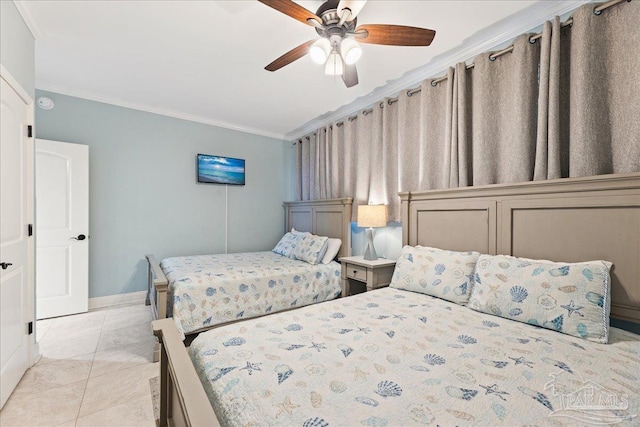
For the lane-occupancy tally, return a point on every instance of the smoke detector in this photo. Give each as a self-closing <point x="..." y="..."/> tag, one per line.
<point x="45" y="103"/>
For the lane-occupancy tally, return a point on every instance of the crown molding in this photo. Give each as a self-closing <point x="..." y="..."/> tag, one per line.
<point x="25" y="11"/>
<point x="500" y="33"/>
<point x="50" y="87"/>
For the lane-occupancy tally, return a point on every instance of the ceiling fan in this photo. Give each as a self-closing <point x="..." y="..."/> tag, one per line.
<point x="338" y="48"/>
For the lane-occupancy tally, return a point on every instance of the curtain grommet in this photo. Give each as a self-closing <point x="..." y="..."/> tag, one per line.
<point x="434" y="83"/>
<point x="532" y="40"/>
<point x="409" y="93"/>
<point x="492" y="58"/>
<point x="596" y="11"/>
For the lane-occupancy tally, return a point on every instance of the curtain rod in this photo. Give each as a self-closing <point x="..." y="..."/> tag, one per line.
<point x="596" y="11"/>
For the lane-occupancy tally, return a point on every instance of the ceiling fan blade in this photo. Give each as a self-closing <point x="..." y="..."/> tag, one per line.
<point x="395" y="35"/>
<point x="350" y="75"/>
<point x="289" y="57"/>
<point x="355" y="6"/>
<point x="293" y="10"/>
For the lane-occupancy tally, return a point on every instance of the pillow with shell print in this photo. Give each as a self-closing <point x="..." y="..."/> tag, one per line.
<point x="310" y="248"/>
<point x="286" y="245"/>
<point x="437" y="272"/>
<point x="570" y="298"/>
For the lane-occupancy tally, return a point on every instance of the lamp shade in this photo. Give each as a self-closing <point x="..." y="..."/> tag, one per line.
<point x="354" y="6"/>
<point x="334" y="66"/>
<point x="320" y="50"/>
<point x="372" y="216"/>
<point x="351" y="51"/>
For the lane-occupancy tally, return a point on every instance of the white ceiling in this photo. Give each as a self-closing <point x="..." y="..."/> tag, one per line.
<point x="204" y="60"/>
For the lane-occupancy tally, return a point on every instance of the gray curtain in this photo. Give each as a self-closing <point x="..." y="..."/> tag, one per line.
<point x="566" y="105"/>
<point x="314" y="183"/>
<point x="337" y="167"/>
<point x="348" y="153"/>
<point x="504" y="98"/>
<point x="305" y="170"/>
<point x="377" y="148"/>
<point x="599" y="59"/>
<point x="409" y="142"/>
<point x="390" y="182"/>
<point x="299" y="170"/>
<point x="551" y="155"/>
<point x="462" y="128"/>
<point x="435" y="134"/>
<point x="362" y="160"/>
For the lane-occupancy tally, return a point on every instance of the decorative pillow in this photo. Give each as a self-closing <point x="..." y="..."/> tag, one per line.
<point x="436" y="272"/>
<point x="310" y="248"/>
<point x="570" y="298"/>
<point x="286" y="245"/>
<point x="333" y="247"/>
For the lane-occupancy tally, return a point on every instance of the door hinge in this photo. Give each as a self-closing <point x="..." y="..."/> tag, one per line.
<point x="30" y="230"/>
<point x="30" y="328"/>
<point x="30" y="131"/>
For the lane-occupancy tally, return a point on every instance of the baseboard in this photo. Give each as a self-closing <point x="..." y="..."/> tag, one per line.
<point x="131" y="298"/>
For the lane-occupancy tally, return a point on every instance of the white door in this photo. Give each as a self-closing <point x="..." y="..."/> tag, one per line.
<point x="14" y="246"/>
<point x="62" y="228"/>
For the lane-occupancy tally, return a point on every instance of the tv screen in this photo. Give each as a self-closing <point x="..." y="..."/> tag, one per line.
<point x="220" y="170"/>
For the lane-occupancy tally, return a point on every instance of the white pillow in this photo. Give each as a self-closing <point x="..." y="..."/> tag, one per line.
<point x="333" y="247"/>
<point x="299" y="233"/>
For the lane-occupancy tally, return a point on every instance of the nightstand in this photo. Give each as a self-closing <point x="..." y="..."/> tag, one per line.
<point x="374" y="274"/>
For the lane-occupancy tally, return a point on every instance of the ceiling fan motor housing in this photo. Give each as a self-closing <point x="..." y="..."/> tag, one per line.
<point x="328" y="12"/>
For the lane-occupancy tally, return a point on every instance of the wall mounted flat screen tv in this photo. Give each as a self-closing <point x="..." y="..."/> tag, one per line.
<point x="220" y="170"/>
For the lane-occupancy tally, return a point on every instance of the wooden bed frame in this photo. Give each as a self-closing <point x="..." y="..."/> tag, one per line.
<point x="577" y="219"/>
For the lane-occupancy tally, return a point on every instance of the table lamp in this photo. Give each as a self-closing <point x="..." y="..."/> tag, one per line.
<point x="371" y="216"/>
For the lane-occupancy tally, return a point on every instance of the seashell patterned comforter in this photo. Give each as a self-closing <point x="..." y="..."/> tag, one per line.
<point x="207" y="290"/>
<point x="397" y="358"/>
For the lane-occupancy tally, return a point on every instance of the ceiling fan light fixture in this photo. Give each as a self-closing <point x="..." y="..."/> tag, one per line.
<point x="320" y="50"/>
<point x="352" y="7"/>
<point x="351" y="51"/>
<point x="336" y="22"/>
<point x="334" y="66"/>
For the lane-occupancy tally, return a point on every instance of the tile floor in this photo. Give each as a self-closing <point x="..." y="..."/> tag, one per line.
<point x="94" y="371"/>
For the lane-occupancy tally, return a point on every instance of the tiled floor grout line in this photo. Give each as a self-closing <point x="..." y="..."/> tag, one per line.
<point x="121" y="352"/>
<point x="90" y="369"/>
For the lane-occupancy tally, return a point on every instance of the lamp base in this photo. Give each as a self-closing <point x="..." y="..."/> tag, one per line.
<point x="370" y="254"/>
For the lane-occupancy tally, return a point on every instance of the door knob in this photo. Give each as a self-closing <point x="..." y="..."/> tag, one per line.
<point x="5" y="265"/>
<point x="80" y="237"/>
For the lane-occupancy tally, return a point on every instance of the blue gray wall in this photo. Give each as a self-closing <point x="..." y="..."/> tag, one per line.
<point x="17" y="46"/>
<point x="143" y="192"/>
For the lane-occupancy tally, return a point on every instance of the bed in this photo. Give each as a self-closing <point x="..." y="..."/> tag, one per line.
<point x="394" y="357"/>
<point x="205" y="291"/>
<point x="210" y="290"/>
